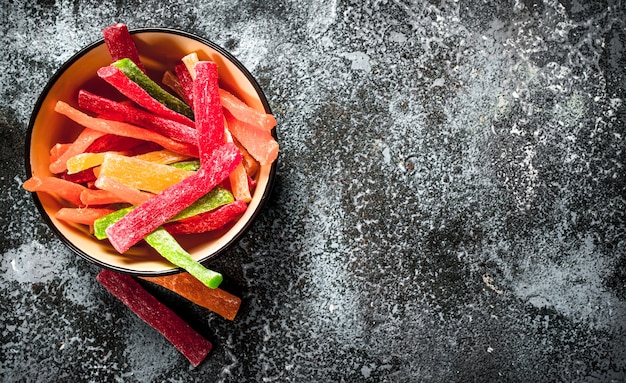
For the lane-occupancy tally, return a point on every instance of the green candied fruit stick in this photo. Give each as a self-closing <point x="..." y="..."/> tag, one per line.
<point x="192" y="165"/>
<point x="166" y="245"/>
<point x="101" y="224"/>
<point x="212" y="200"/>
<point x="132" y="71"/>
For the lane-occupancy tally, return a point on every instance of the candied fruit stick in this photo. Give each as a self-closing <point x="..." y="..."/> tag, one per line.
<point x="123" y="192"/>
<point x="211" y="201"/>
<point x="133" y="91"/>
<point x="141" y="175"/>
<point x="251" y="165"/>
<point x="170" y="249"/>
<point x="91" y="197"/>
<point x="118" y="111"/>
<point x="124" y="129"/>
<point x="83" y="177"/>
<point x="209" y="221"/>
<point x="191" y="344"/>
<point x="57" y="151"/>
<point x="85" y="161"/>
<point x="209" y="116"/>
<point x="186" y="81"/>
<point x="156" y="211"/>
<point x="133" y="72"/>
<point x="191" y="165"/>
<point x="190" y="60"/>
<point x="85" y="215"/>
<point x="171" y="81"/>
<point x="82" y="142"/>
<point x="259" y="143"/>
<point x="184" y="284"/>
<point x="66" y="190"/>
<point x="120" y="44"/>
<point x="241" y="111"/>
<point x="239" y="178"/>
<point x="162" y="157"/>
<point x="113" y="142"/>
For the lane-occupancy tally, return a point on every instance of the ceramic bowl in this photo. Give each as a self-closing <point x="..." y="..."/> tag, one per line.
<point x="159" y="49"/>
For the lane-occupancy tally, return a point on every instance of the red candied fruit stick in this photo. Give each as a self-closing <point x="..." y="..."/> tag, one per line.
<point x="148" y="216"/>
<point x="207" y="109"/>
<point x="113" y="110"/>
<point x="189" y="342"/>
<point x="121" y="45"/>
<point x="186" y="81"/>
<point x="211" y="220"/>
<point x="113" y="143"/>
<point x="133" y="91"/>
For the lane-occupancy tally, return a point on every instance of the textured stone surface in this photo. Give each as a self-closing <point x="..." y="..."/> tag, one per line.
<point x="449" y="203"/>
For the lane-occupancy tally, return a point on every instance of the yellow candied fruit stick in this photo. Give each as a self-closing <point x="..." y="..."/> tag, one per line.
<point x="190" y="61"/>
<point x="85" y="161"/>
<point x="140" y="174"/>
<point x="162" y="157"/>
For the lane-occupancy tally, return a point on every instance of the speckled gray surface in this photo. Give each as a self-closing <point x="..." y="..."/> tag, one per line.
<point x="449" y="202"/>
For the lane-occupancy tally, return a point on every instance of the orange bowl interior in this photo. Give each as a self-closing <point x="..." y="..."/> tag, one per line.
<point x="159" y="50"/>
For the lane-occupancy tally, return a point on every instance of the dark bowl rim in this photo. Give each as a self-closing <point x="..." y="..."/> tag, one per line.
<point x="44" y="93"/>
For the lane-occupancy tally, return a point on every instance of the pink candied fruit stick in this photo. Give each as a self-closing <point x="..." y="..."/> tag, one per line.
<point x="120" y="44"/>
<point x="133" y="91"/>
<point x="207" y="109"/>
<point x="186" y="81"/>
<point x="189" y="342"/>
<point x="151" y="214"/>
<point x="121" y="112"/>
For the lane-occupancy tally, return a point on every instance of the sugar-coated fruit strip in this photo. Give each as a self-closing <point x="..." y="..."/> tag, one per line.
<point x="171" y="81"/>
<point x="210" y="201"/>
<point x="190" y="60"/>
<point x="118" y="111"/>
<point x="170" y="249"/>
<point x="209" y="116"/>
<point x="123" y="192"/>
<point x="209" y="221"/>
<point x="85" y="215"/>
<point x="191" y="344"/>
<point x="156" y="211"/>
<point x="133" y="91"/>
<point x="80" y="144"/>
<point x="84" y="161"/>
<point x="120" y="44"/>
<point x="184" y="284"/>
<point x="259" y="143"/>
<point x="90" y="197"/>
<point x="141" y="175"/>
<point x="57" y="150"/>
<point x="162" y="157"/>
<point x="67" y="190"/>
<point x="83" y="177"/>
<point x="241" y="111"/>
<point x="185" y="80"/>
<point x="133" y="72"/>
<point x="124" y="129"/>
<point x="238" y="178"/>
<point x="113" y="142"/>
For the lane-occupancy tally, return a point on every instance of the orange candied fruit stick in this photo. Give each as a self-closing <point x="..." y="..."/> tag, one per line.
<point x="141" y="175"/>
<point x="57" y="151"/>
<point x="259" y="143"/>
<point x="124" y="129"/>
<point x="184" y="284"/>
<point x="241" y="111"/>
<point x="124" y="193"/>
<point x="85" y="215"/>
<point x="98" y="197"/>
<point x="66" y="190"/>
<point x="82" y="142"/>
<point x="238" y="178"/>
